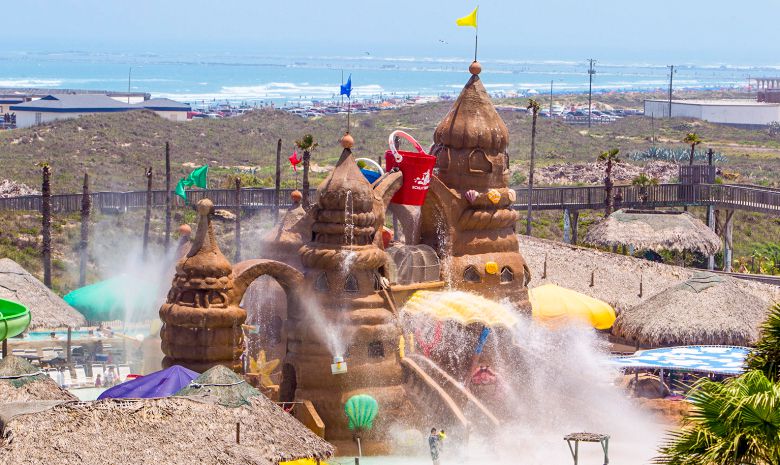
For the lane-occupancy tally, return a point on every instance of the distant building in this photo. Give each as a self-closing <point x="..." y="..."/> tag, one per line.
<point x="768" y="89"/>
<point x="166" y="108"/>
<point x="746" y="113"/>
<point x="67" y="106"/>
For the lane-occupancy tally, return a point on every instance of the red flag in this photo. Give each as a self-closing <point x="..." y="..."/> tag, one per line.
<point x="295" y="160"/>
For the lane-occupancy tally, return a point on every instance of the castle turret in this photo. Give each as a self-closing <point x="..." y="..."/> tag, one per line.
<point x="467" y="215"/>
<point x="343" y="312"/>
<point x="201" y="319"/>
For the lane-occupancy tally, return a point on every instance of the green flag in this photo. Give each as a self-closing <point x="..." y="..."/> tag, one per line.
<point x="197" y="178"/>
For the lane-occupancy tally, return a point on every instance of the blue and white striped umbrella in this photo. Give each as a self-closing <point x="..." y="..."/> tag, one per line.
<point x="727" y="360"/>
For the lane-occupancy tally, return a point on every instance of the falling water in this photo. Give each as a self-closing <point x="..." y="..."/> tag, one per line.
<point x="552" y="382"/>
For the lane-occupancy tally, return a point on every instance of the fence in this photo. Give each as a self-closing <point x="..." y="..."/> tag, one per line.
<point x="752" y="198"/>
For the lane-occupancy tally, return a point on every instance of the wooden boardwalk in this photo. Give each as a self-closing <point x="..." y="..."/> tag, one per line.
<point x="725" y="196"/>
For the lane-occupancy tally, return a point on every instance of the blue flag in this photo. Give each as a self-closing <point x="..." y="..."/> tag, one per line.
<point x="346" y="89"/>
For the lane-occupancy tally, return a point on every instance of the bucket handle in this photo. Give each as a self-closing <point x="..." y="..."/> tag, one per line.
<point x="391" y="141"/>
<point x="372" y="163"/>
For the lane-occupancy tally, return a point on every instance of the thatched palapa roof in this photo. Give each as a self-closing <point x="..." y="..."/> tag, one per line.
<point x="22" y="382"/>
<point x="613" y="278"/>
<point x="654" y="230"/>
<point x="47" y="309"/>
<point x="220" y="385"/>
<point x="173" y="430"/>
<point x="705" y="309"/>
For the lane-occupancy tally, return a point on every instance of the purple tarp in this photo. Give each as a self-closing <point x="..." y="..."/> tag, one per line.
<point x="161" y="383"/>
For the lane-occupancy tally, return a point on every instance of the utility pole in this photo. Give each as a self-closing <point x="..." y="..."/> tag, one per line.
<point x="671" y="79"/>
<point x="591" y="72"/>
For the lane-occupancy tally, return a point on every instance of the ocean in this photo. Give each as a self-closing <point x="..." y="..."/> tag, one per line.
<point x="203" y="78"/>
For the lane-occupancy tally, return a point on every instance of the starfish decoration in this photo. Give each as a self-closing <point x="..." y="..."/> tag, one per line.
<point x="264" y="368"/>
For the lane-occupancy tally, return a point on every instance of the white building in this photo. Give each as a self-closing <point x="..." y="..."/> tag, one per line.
<point x="67" y="106"/>
<point x="747" y="113"/>
<point x="166" y="108"/>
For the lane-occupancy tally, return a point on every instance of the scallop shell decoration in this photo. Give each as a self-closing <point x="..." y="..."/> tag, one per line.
<point x="494" y="196"/>
<point x="471" y="195"/>
<point x="512" y="194"/>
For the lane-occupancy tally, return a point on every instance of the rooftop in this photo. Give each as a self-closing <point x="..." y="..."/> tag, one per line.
<point x="719" y="102"/>
<point x="74" y="102"/>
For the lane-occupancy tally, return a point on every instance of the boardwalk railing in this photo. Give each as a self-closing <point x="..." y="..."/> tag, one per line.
<point x="730" y="196"/>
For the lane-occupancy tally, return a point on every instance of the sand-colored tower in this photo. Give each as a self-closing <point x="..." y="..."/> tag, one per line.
<point x="467" y="215"/>
<point x="342" y="308"/>
<point x="201" y="317"/>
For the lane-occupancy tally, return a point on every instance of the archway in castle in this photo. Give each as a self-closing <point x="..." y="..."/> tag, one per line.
<point x="268" y="290"/>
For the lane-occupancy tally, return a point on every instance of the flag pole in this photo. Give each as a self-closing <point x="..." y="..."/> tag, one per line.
<point x="476" y="33"/>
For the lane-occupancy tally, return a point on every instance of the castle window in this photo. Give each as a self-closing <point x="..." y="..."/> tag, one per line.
<point x="376" y="349"/>
<point x="507" y="276"/>
<point x="351" y="284"/>
<point x="321" y="284"/>
<point x="217" y="299"/>
<point x="443" y="158"/>
<point x="187" y="298"/>
<point x="471" y="275"/>
<point x="479" y="163"/>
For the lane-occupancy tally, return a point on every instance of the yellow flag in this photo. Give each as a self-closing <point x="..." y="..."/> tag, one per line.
<point x="469" y="20"/>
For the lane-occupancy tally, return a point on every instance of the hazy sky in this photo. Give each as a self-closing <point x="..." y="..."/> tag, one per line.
<point x="659" y="31"/>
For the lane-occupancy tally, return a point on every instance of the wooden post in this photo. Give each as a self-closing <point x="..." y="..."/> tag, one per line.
<point x="544" y="269"/>
<point x="46" y="223"/>
<point x="5" y="348"/>
<point x="728" y="240"/>
<point x="148" y="217"/>
<point x="278" y="180"/>
<point x="167" y="194"/>
<point x="305" y="182"/>
<point x="711" y="224"/>
<point x="238" y="221"/>
<point x="641" y="285"/>
<point x="592" y="278"/>
<point x="566" y="226"/>
<point x="574" y="221"/>
<point x="238" y="432"/>
<point x="67" y="346"/>
<point x="86" y="206"/>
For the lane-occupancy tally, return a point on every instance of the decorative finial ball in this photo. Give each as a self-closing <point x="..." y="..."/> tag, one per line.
<point x="475" y="68"/>
<point x="296" y="196"/>
<point x="185" y="230"/>
<point x="205" y="207"/>
<point x="347" y="141"/>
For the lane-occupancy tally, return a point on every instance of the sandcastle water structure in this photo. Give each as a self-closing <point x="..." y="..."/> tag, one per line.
<point x="344" y="296"/>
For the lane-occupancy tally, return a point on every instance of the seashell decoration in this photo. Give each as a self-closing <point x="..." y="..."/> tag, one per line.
<point x="494" y="196"/>
<point x="471" y="195"/>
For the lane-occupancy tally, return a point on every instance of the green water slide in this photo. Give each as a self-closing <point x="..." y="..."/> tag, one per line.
<point x="14" y="318"/>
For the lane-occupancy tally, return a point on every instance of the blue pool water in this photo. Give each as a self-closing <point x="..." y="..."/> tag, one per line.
<point x="62" y="335"/>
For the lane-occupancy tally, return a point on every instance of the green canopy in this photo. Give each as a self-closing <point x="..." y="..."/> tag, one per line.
<point x="119" y="298"/>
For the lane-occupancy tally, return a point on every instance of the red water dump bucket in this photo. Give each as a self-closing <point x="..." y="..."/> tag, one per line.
<point x="416" y="167"/>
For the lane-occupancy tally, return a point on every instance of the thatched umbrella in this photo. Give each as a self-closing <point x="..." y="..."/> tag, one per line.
<point x="22" y="382"/>
<point x="654" y="230"/>
<point x="175" y="430"/>
<point x="47" y="309"/>
<point x="705" y="309"/>
<point x="222" y="386"/>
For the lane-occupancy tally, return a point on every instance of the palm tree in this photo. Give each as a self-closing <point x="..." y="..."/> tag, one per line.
<point x="610" y="157"/>
<point x="736" y="422"/>
<point x="307" y="144"/>
<point x="643" y="181"/>
<point x="534" y="106"/>
<point x="766" y="355"/>
<point x="693" y="140"/>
